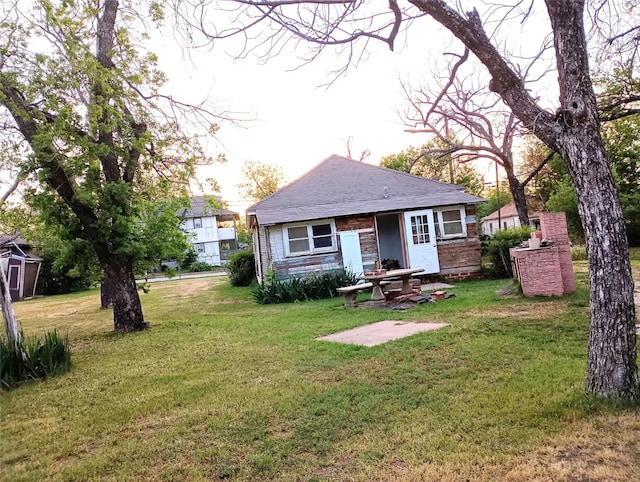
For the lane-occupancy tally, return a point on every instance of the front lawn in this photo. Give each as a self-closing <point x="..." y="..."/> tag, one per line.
<point x="223" y="389"/>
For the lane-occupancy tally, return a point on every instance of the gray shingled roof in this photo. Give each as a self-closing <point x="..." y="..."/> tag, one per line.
<point x="200" y="207"/>
<point x="342" y="187"/>
<point x="10" y="240"/>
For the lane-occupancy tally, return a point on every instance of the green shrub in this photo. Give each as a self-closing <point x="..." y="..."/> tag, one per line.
<point x="485" y="241"/>
<point x="579" y="253"/>
<point x="498" y="250"/>
<point x="241" y="268"/>
<point x="171" y="272"/>
<point x="35" y="359"/>
<point x="199" y="266"/>
<point x="190" y="257"/>
<point x="313" y="287"/>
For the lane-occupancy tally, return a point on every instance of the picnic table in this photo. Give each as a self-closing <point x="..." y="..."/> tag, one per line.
<point x="378" y="276"/>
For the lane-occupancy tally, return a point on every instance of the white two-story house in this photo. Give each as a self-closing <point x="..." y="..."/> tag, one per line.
<point x="212" y="230"/>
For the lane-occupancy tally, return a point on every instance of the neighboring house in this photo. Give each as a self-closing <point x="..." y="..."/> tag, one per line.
<point x="212" y="230"/>
<point x="349" y="214"/>
<point x="20" y="266"/>
<point x="506" y="217"/>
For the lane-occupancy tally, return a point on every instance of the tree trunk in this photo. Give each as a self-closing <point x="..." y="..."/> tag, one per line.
<point x="14" y="336"/>
<point x="106" y="293"/>
<point x="574" y="132"/>
<point x="127" y="309"/>
<point x="612" y="364"/>
<point x="519" y="197"/>
<point x="612" y="369"/>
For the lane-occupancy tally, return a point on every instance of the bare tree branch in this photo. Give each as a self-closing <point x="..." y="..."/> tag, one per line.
<point x="540" y="166"/>
<point x="452" y="77"/>
<point x="11" y="189"/>
<point x="473" y="123"/>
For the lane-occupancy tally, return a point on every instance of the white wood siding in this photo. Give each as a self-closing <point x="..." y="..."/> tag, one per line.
<point x="208" y="235"/>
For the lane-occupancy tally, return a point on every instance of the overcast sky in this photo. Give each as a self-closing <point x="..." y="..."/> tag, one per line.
<point x="296" y="121"/>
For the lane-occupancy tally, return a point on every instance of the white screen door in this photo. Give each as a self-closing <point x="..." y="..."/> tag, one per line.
<point x="421" y="240"/>
<point x="351" y="254"/>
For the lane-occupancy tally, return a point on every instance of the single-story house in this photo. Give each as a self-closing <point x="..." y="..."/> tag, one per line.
<point x="505" y="218"/>
<point x="353" y="215"/>
<point x="21" y="267"/>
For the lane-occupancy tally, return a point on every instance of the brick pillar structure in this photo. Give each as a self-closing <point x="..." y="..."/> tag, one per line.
<point x="547" y="270"/>
<point x="538" y="270"/>
<point x="554" y="228"/>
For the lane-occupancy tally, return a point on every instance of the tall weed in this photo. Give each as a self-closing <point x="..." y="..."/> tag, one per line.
<point x="313" y="287"/>
<point x="36" y="358"/>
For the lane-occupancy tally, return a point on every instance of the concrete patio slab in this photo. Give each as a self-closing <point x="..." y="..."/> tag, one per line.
<point x="381" y="332"/>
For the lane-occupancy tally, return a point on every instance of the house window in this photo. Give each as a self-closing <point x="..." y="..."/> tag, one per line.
<point x="450" y="223"/>
<point x="197" y="223"/>
<point x="199" y="247"/>
<point x="490" y="228"/>
<point x="14" y="277"/>
<point x="316" y="237"/>
<point x="420" y="229"/>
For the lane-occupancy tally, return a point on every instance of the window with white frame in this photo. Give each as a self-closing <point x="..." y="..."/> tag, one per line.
<point x="310" y="238"/>
<point x="420" y="229"/>
<point x="450" y="222"/>
<point x="199" y="247"/>
<point x="197" y="223"/>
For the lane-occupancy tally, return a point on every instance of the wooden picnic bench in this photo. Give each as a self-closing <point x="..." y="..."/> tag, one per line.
<point x="377" y="277"/>
<point x="350" y="292"/>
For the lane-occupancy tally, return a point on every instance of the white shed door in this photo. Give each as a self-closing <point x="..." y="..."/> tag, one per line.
<point x="351" y="254"/>
<point x="421" y="240"/>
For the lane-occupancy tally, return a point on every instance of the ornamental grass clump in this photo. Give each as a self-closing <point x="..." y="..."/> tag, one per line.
<point x="313" y="287"/>
<point x="35" y="358"/>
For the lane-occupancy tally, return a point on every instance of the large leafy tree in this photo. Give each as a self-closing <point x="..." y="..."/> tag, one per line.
<point x="573" y="130"/>
<point x="622" y="139"/>
<point x="83" y="98"/>
<point x="260" y="180"/>
<point x="434" y="161"/>
<point x="623" y="147"/>
<point x="497" y="197"/>
<point x="618" y="96"/>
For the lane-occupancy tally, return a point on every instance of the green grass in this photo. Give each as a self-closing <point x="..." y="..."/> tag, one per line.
<point x="224" y="389"/>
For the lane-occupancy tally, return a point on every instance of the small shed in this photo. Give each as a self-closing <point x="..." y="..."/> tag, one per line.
<point x="21" y="267"/>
